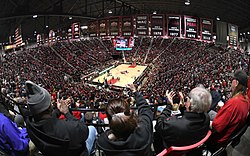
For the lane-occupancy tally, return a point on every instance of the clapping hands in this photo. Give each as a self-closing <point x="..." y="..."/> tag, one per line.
<point x="63" y="105"/>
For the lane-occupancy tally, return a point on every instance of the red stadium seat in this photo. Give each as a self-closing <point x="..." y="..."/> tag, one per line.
<point x="178" y="151"/>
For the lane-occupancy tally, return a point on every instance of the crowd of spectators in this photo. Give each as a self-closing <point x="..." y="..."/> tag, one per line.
<point x="173" y="64"/>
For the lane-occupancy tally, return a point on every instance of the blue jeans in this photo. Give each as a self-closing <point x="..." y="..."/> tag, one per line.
<point x="91" y="139"/>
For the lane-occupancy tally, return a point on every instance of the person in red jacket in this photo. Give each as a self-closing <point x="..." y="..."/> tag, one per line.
<point x="233" y="115"/>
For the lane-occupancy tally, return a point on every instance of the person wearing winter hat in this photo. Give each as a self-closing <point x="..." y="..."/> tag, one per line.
<point x="233" y="114"/>
<point x="81" y="137"/>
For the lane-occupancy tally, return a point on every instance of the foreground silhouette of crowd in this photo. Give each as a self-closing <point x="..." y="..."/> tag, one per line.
<point x="175" y="68"/>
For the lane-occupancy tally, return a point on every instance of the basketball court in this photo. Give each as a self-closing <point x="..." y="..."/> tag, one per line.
<point x="121" y="75"/>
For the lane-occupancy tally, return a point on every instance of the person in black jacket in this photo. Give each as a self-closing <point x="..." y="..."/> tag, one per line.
<point x="46" y="125"/>
<point x="129" y="134"/>
<point x="187" y="129"/>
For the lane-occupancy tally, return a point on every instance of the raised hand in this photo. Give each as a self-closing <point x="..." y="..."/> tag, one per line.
<point x="170" y="96"/>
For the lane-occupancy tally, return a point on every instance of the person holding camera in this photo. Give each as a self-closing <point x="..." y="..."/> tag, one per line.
<point x="172" y="130"/>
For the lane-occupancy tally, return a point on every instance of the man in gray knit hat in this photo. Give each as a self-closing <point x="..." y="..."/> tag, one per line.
<point x="81" y="137"/>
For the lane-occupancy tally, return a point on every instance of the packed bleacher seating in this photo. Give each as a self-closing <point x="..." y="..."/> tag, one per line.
<point x="173" y="64"/>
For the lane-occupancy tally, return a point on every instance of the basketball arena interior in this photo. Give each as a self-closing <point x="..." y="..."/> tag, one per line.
<point x="92" y="50"/>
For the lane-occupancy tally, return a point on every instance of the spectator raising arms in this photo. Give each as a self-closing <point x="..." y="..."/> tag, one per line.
<point x="81" y="137"/>
<point x="128" y="135"/>
<point x="187" y="129"/>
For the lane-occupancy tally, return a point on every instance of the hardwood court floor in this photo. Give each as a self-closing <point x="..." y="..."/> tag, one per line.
<point x="125" y="72"/>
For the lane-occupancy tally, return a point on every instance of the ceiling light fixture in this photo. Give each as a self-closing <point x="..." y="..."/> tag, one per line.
<point x="34" y="16"/>
<point x="70" y="18"/>
<point x="217" y="18"/>
<point x="154" y="12"/>
<point x="187" y="2"/>
<point x="110" y="12"/>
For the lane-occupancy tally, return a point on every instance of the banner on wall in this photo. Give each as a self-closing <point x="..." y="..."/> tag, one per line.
<point x="76" y="30"/>
<point x="157" y="25"/>
<point x="127" y="26"/>
<point x="174" y="26"/>
<point x="142" y="25"/>
<point x="102" y="27"/>
<point x="233" y="35"/>
<point x="52" y="36"/>
<point x="206" y="27"/>
<point x="191" y="27"/>
<point x="92" y="28"/>
<point x="114" y="26"/>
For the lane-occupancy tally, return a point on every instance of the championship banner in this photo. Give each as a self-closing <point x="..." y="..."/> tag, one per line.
<point x="52" y="36"/>
<point x="18" y="36"/>
<point x="76" y="30"/>
<point x="191" y="27"/>
<point x="174" y="26"/>
<point x="114" y="26"/>
<point x="157" y="25"/>
<point x="103" y="28"/>
<point x="127" y="26"/>
<point x="233" y="35"/>
<point x="92" y="28"/>
<point x="38" y="39"/>
<point x="142" y="25"/>
<point x="69" y="33"/>
<point x="206" y="27"/>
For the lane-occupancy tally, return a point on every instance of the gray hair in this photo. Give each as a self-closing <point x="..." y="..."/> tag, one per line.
<point x="201" y="100"/>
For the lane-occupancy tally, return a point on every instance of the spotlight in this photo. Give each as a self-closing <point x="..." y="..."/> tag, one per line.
<point x="34" y="16"/>
<point x="110" y="12"/>
<point x="217" y="18"/>
<point x="70" y="18"/>
<point x="187" y="2"/>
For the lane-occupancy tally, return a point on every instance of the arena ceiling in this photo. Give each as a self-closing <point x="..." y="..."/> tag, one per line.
<point x="52" y="14"/>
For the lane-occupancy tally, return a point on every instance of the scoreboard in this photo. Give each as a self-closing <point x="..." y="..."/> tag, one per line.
<point x="174" y="26"/>
<point x="191" y="27"/>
